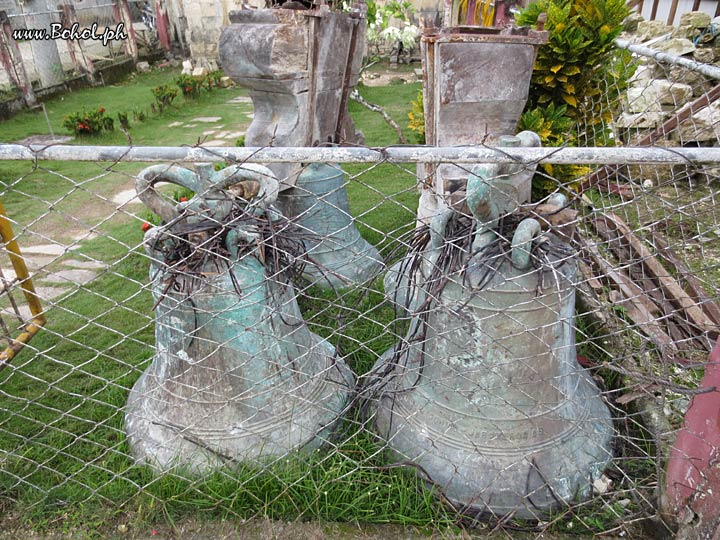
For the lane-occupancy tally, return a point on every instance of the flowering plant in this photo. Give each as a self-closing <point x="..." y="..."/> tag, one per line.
<point x="189" y="85"/>
<point x="89" y="123"/>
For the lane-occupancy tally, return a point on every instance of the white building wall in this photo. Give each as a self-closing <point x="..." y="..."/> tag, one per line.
<point x="707" y="6"/>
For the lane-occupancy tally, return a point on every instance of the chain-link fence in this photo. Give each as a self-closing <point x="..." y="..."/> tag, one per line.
<point x="320" y="352"/>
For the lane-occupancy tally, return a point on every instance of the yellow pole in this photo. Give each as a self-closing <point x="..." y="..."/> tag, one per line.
<point x="23" y="277"/>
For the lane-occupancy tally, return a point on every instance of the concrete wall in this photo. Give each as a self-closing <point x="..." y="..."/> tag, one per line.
<point x="204" y="20"/>
<point x="87" y="12"/>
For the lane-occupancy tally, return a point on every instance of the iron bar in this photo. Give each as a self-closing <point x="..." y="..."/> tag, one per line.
<point x="393" y="154"/>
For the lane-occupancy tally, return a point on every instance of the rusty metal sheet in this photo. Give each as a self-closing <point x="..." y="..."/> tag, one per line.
<point x="693" y="475"/>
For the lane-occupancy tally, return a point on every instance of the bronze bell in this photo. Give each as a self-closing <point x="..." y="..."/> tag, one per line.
<point x="485" y="395"/>
<point x="237" y="375"/>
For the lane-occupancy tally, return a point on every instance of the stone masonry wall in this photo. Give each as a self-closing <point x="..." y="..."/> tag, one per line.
<point x="658" y="91"/>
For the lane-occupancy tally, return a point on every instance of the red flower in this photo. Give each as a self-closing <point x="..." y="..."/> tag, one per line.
<point x="183" y="199"/>
<point x="101" y="110"/>
<point x="145" y="226"/>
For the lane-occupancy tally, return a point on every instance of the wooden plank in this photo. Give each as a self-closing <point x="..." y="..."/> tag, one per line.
<point x="693" y="283"/>
<point x="628" y="287"/>
<point x="639" y="309"/>
<point x="673" y="11"/>
<point x="653" y="13"/>
<point x="672" y="288"/>
<point x="588" y="277"/>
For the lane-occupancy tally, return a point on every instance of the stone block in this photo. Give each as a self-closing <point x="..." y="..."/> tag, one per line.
<point x="696" y="19"/>
<point x="193" y="11"/>
<point x="643" y="74"/>
<point x="697" y="81"/>
<point x="646" y="120"/>
<point x="703" y="126"/>
<point x="630" y="24"/>
<point x="641" y="100"/>
<point x="656" y="94"/>
<point x="651" y="29"/>
<point x="199" y="72"/>
<point x="704" y="55"/>
<point x="187" y="67"/>
<point x="142" y="67"/>
<point x="672" y="93"/>
<point x="675" y="46"/>
<point x="225" y="82"/>
<point x="685" y="31"/>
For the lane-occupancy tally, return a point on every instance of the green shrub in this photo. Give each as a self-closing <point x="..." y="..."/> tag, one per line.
<point x="123" y="119"/>
<point x="212" y="79"/>
<point x="89" y="123"/>
<point x="164" y="96"/>
<point x="572" y="68"/>
<point x="139" y="115"/>
<point x="577" y="78"/>
<point x="417" y="118"/>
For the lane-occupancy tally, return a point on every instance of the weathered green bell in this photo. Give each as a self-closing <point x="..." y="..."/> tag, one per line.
<point x="237" y="375"/>
<point x="338" y="255"/>
<point x="485" y="395"/>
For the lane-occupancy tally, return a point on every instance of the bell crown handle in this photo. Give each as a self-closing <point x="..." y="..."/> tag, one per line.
<point x="522" y="241"/>
<point x="250" y="172"/>
<point x="481" y="203"/>
<point x="173" y="174"/>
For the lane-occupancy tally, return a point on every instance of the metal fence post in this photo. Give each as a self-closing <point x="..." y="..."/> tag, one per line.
<point x="13" y="63"/>
<point x="81" y="61"/>
<point x="162" y="22"/>
<point x="121" y="11"/>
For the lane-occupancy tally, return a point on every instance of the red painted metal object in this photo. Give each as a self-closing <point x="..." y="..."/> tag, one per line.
<point x="693" y="473"/>
<point x="121" y="13"/>
<point x="162" y="21"/>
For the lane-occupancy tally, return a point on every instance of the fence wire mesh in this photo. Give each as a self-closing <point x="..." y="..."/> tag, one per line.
<point x="319" y="352"/>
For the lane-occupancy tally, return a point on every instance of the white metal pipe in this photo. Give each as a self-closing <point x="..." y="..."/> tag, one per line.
<point x="706" y="69"/>
<point x="393" y="154"/>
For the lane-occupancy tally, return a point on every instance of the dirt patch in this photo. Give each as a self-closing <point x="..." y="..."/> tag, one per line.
<point x="264" y="529"/>
<point x="44" y="139"/>
<point x="389" y="77"/>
